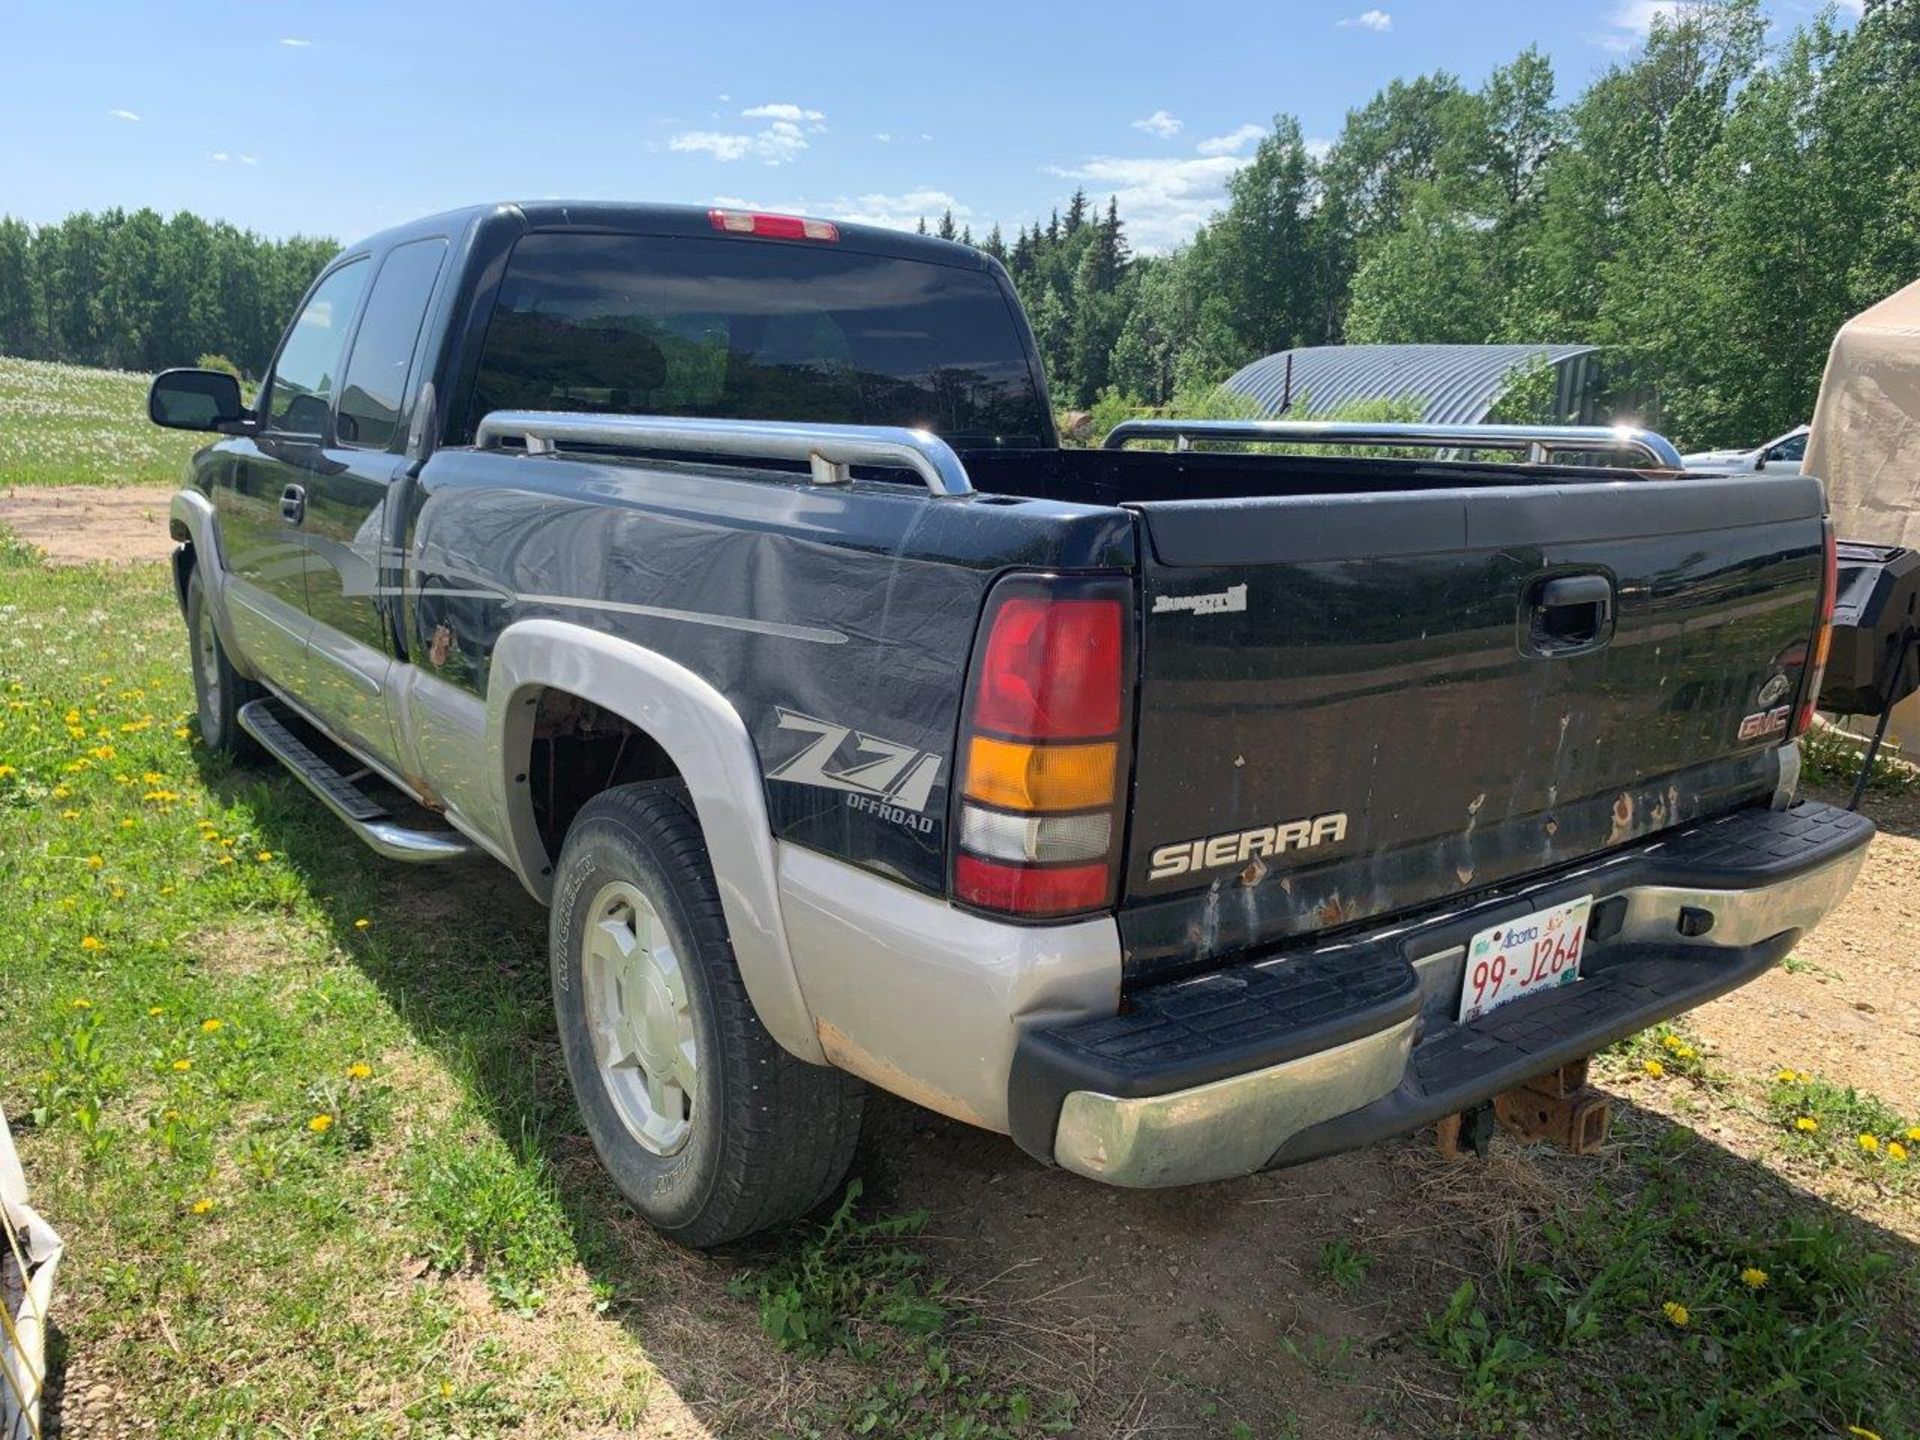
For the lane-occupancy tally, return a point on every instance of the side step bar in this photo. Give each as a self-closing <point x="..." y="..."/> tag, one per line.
<point x="266" y="722"/>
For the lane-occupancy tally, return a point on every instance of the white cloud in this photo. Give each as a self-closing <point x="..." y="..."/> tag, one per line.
<point x="1855" y="8"/>
<point x="1160" y="123"/>
<point x="724" y="99"/>
<point x="1162" y="200"/>
<point x="1378" y="21"/>
<point x="778" y="142"/>
<point x="883" y="137"/>
<point x="925" y="136"/>
<point x="1630" y="20"/>
<point x="249" y="160"/>
<point x="790" y="113"/>
<point x="221" y="156"/>
<point x="122" y="115"/>
<point x="1233" y="142"/>
<point x="295" y="43"/>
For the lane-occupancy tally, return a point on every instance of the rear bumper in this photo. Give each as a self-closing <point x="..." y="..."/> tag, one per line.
<point x="1310" y="1052"/>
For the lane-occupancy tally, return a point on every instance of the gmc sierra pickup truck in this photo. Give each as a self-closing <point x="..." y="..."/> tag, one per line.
<point x="1180" y="811"/>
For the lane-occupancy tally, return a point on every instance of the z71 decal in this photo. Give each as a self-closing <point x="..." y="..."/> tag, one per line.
<point x="879" y="775"/>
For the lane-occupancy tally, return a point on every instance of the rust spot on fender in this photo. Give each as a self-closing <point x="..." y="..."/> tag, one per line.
<point x="842" y="1050"/>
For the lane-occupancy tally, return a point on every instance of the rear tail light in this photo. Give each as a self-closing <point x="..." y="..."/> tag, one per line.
<point x="1822" y="636"/>
<point x="1044" y="749"/>
<point x="774" y="227"/>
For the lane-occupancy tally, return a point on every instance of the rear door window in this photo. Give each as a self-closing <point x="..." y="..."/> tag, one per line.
<point x="376" y="379"/>
<point x="742" y="329"/>
<point x="308" y="369"/>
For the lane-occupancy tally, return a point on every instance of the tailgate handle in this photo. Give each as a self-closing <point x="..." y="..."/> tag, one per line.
<point x="1568" y="614"/>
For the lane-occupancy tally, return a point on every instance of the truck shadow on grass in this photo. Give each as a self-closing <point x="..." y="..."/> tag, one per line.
<point x="1386" y="1292"/>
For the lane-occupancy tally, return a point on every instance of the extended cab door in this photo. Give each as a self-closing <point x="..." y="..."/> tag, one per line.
<point x="260" y="500"/>
<point x="349" y="560"/>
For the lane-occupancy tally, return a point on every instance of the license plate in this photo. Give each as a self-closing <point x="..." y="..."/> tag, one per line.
<point x="1523" y="957"/>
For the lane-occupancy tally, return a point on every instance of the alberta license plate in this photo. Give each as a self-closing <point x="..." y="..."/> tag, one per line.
<point x="1524" y="956"/>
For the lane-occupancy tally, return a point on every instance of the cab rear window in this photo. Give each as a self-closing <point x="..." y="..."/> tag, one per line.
<point x="728" y="328"/>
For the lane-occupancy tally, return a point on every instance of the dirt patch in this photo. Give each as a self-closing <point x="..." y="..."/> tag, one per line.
<point x="80" y="525"/>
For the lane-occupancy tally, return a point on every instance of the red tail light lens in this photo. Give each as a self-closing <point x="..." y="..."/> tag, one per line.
<point x="1052" y="670"/>
<point x="1037" y="817"/>
<point x="774" y="227"/>
<point x="1822" y="637"/>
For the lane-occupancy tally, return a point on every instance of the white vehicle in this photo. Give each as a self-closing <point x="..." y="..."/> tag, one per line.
<point x="1779" y="456"/>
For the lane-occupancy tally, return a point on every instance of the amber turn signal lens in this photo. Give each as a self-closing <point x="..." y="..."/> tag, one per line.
<point x="1016" y="776"/>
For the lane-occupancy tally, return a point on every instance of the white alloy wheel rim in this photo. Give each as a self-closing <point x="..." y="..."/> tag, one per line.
<point x="640" y="1018"/>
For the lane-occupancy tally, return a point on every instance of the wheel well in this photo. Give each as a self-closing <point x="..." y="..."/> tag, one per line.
<point x="579" y="749"/>
<point x="183" y="558"/>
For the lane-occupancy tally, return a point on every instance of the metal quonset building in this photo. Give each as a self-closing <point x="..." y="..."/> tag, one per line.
<point x="1455" y="384"/>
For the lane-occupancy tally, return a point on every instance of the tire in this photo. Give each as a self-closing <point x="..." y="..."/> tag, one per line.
<point x="707" y="1125"/>
<point x="218" y="689"/>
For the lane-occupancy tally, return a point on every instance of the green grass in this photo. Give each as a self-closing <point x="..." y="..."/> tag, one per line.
<point x="66" y="425"/>
<point x="1666" y="1311"/>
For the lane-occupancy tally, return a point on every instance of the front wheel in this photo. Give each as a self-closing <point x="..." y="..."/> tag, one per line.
<point x="706" y="1124"/>
<point x="218" y="689"/>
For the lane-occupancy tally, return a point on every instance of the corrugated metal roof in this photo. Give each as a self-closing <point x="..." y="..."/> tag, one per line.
<point x="1457" y="384"/>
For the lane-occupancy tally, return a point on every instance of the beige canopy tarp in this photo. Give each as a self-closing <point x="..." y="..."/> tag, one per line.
<point x="1866" y="426"/>
<point x="1866" y="437"/>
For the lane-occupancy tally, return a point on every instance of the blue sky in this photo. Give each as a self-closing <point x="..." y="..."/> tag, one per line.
<point x="340" y="118"/>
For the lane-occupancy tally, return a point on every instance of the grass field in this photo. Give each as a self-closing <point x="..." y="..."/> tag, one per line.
<point x="300" y="1116"/>
<point x="65" y="425"/>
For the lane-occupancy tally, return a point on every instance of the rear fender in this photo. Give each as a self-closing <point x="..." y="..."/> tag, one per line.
<point x="708" y="743"/>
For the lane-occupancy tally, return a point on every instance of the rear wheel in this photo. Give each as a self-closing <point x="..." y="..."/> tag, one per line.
<point x="218" y="689"/>
<point x="707" y="1125"/>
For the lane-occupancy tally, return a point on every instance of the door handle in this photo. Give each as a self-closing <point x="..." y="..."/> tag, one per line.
<point x="293" y="504"/>
<point x="1566" y="614"/>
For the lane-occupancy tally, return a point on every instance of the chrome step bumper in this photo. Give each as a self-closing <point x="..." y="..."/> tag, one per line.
<point x="1313" y="1051"/>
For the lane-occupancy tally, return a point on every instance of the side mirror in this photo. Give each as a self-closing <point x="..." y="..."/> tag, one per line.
<point x="198" y="400"/>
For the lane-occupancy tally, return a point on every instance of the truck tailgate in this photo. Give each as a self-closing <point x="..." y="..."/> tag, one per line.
<point x="1354" y="705"/>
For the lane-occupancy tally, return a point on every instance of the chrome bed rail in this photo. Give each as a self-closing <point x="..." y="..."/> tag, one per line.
<point x="831" y="450"/>
<point x="1538" y="441"/>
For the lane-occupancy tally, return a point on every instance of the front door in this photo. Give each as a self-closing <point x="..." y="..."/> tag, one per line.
<point x="351" y="567"/>
<point x="260" y="500"/>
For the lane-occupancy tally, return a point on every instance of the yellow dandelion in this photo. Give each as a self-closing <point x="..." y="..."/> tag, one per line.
<point x="126" y="824"/>
<point x="69" y="814"/>
<point x="72" y="717"/>
<point x="1654" y="1068"/>
<point x="95" y="862"/>
<point x="359" y="1070"/>
<point x="1672" y="1042"/>
<point x="202" y="1206"/>
<point x="264" y="856"/>
<point x="6" y="770"/>
<point x="183" y="1065"/>
<point x="153" y="1011"/>
<point x="226" y="859"/>
<point x="1676" y="1312"/>
<point x="91" y="942"/>
<point x="181" y="732"/>
<point x="1870" y="1143"/>
<point x="1805" y="1077"/>
<point x="61" y="792"/>
<point x="211" y="1024"/>
<point x="1914" y="1134"/>
<point x="1685" y="1052"/>
<point x="362" y="923"/>
<point x="103" y="752"/>
<point x="320" y="1124"/>
<point x="1806" y="1124"/>
<point x="152" y="777"/>
<point x="228" y="842"/>
<point x="1754" y="1278"/>
<point x="1896" y="1152"/>
<point x="81" y="1002"/>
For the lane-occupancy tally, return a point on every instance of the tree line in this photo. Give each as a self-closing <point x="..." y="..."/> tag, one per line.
<point x="134" y="291"/>
<point x="1710" y="210"/>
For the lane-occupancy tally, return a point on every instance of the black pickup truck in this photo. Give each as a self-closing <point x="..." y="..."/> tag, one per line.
<point x="1180" y="811"/>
